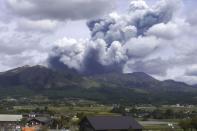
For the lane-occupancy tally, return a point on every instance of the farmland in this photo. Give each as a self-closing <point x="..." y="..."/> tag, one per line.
<point x="162" y="117"/>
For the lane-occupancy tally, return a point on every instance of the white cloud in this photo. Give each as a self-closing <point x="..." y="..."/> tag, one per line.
<point x="59" y="9"/>
<point x="153" y="39"/>
<point x="39" y="25"/>
<point x="156" y="40"/>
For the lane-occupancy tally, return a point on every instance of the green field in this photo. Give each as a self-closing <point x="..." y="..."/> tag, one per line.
<point x="103" y="110"/>
<point x="160" y="125"/>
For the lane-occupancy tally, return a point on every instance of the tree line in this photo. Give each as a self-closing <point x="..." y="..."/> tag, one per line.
<point x="188" y="124"/>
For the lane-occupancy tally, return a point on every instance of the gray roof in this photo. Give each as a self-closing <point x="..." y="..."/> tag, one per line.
<point x="10" y="118"/>
<point x="113" y="122"/>
<point x="41" y="119"/>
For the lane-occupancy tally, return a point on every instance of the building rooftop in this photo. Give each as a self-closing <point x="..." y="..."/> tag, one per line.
<point x="113" y="122"/>
<point x="10" y="118"/>
<point x="41" y="119"/>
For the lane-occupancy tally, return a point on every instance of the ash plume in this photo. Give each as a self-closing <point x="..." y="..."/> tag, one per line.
<point x="116" y="42"/>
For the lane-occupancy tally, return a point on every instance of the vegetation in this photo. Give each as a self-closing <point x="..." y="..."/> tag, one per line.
<point x="68" y="97"/>
<point x="188" y="124"/>
<point x="68" y="112"/>
<point x="135" y="88"/>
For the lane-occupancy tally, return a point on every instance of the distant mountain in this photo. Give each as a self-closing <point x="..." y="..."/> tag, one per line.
<point x="132" y="80"/>
<point x="137" y="87"/>
<point x="140" y="80"/>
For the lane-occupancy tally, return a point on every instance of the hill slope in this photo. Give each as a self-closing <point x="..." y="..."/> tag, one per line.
<point x="135" y="87"/>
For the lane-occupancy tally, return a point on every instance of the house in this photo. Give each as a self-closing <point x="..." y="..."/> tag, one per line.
<point x="109" y="123"/>
<point x="9" y="121"/>
<point x="39" y="121"/>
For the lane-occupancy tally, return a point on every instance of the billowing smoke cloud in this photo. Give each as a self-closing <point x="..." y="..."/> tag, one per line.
<point x="117" y="42"/>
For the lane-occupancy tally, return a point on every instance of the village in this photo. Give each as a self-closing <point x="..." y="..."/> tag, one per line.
<point x="98" y="65"/>
<point x="74" y="114"/>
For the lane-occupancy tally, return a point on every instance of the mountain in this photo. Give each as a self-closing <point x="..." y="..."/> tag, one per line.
<point x="137" y="87"/>
<point x="195" y="86"/>
<point x="36" y="77"/>
<point x="132" y="80"/>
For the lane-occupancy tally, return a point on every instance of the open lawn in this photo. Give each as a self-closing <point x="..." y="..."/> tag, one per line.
<point x="100" y="110"/>
<point x="96" y="110"/>
<point x="158" y="125"/>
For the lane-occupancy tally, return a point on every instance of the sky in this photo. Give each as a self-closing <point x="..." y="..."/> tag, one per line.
<point x="157" y="37"/>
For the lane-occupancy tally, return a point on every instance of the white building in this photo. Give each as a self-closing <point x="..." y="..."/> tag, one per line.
<point x="9" y="121"/>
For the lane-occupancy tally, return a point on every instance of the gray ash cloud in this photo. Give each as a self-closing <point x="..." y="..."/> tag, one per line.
<point x="116" y="40"/>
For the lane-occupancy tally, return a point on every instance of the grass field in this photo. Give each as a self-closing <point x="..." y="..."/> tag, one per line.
<point x="160" y="128"/>
<point x="69" y="109"/>
<point x="158" y="125"/>
<point x="102" y="110"/>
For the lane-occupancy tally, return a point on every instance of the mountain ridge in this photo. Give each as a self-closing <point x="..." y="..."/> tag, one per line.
<point x="132" y="87"/>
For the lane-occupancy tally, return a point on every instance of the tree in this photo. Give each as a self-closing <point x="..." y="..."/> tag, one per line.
<point x="133" y="110"/>
<point x="55" y="124"/>
<point x="194" y="122"/>
<point x="46" y="108"/>
<point x="81" y="115"/>
<point x="37" y="110"/>
<point x="23" y="121"/>
<point x="185" y="124"/>
<point x="118" y="109"/>
<point x="169" y="113"/>
<point x="157" y="114"/>
<point x="64" y="121"/>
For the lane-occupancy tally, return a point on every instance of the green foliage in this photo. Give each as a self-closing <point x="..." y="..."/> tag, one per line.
<point x="81" y="115"/>
<point x="157" y="114"/>
<point x="135" y="88"/>
<point x="185" y="124"/>
<point x="118" y="109"/>
<point x="23" y="121"/>
<point x="188" y="124"/>
<point x="62" y="122"/>
<point x="169" y="114"/>
<point x="194" y="122"/>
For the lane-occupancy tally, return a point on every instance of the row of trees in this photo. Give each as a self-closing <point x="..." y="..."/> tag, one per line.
<point x="188" y="124"/>
<point x="154" y="114"/>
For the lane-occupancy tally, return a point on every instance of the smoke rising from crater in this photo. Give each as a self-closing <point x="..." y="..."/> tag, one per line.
<point x="117" y="41"/>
